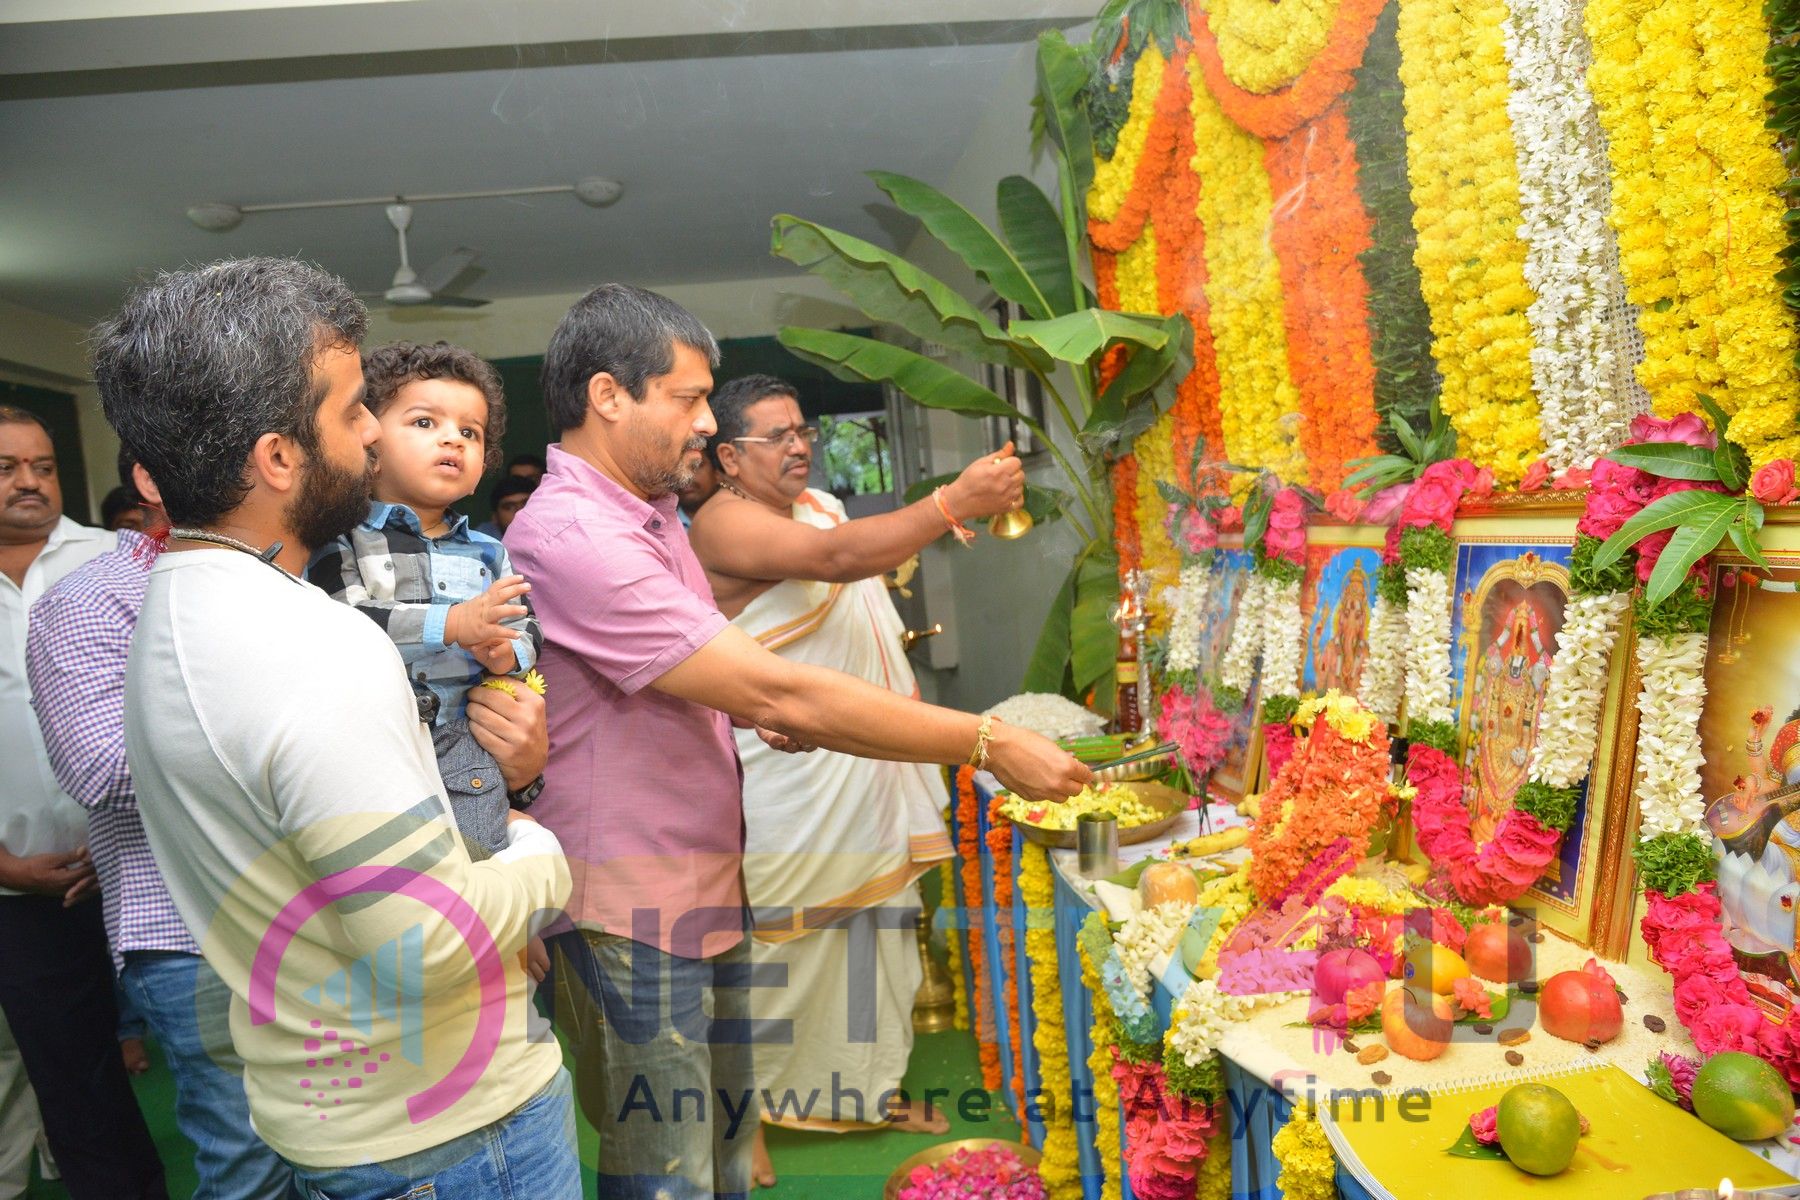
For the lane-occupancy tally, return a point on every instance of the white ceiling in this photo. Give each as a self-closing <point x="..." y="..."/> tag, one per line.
<point x="712" y="128"/>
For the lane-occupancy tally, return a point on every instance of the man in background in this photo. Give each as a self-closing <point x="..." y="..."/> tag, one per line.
<point x="506" y="498"/>
<point x="56" y="975"/>
<point x="79" y="641"/>
<point x="828" y="831"/>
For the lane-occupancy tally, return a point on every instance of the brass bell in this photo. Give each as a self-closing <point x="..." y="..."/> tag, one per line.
<point x="913" y="637"/>
<point x="1011" y="524"/>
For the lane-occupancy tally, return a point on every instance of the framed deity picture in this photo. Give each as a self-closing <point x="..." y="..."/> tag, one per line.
<point x="1750" y="735"/>
<point x="1337" y="593"/>
<point x="1235" y="776"/>
<point x="1511" y="586"/>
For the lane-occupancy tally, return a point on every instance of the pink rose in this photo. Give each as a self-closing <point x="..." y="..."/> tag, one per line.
<point x="1472" y="998"/>
<point x="1774" y="483"/>
<point x="1727" y="1027"/>
<point x="1482" y="486"/>
<point x="1344" y="506"/>
<point x="1687" y="428"/>
<point x="1485" y="1125"/>
<point x="1384" y="504"/>
<point x="1390" y="546"/>
<point x="1198" y="534"/>
<point x="1537" y="475"/>
<point x="1693" y="997"/>
<point x="1573" y="479"/>
<point x="1432" y="502"/>
<point x="1286" y="535"/>
<point x="1606" y="512"/>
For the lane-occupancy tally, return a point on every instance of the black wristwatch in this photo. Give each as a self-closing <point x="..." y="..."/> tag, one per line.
<point x="525" y="796"/>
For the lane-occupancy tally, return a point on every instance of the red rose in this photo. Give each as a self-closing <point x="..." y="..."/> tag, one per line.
<point x="1537" y="475"/>
<point x="1694" y="996"/>
<point x="1687" y="428"/>
<point x="1774" y="483"/>
<point x="1482" y="486"/>
<point x="1727" y="1027"/>
<point x="1231" y="517"/>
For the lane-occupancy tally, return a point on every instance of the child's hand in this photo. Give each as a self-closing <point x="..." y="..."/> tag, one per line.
<point x="535" y="958"/>
<point x="496" y="656"/>
<point x="481" y="620"/>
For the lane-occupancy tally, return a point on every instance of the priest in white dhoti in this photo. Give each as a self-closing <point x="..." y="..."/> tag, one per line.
<point x="834" y="844"/>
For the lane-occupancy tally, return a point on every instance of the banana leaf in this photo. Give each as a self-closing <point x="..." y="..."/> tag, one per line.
<point x="1061" y="76"/>
<point x="1048" y="670"/>
<point x="973" y="242"/>
<point x="1077" y="337"/>
<point x="893" y="291"/>
<point x="1038" y="238"/>
<point x="865" y="360"/>
<point x="1142" y="391"/>
<point x="1093" y="638"/>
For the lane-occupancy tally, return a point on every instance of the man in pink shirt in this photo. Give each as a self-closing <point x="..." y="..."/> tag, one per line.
<point x="643" y="785"/>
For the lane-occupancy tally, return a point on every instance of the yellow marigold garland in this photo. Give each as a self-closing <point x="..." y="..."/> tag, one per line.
<point x="1215" y="1170"/>
<point x="953" y="943"/>
<point x="1104" y="1035"/>
<point x="1258" y="402"/>
<point x="1465" y="189"/>
<point x="1115" y="180"/>
<point x="1157" y="556"/>
<point x="1306" y="1168"/>
<point x="1061" y="1167"/>
<point x="1265" y="46"/>
<point x="1681" y="89"/>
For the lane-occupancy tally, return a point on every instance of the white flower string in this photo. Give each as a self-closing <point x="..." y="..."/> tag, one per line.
<point x="1669" y="757"/>
<point x="1569" y="721"/>
<point x="1384" y="670"/>
<point x="1428" y="645"/>
<point x="1571" y="259"/>
<point x="1238" y="666"/>
<point x="1284" y="639"/>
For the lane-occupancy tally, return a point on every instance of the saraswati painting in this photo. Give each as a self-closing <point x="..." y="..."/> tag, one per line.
<point x="1750" y="732"/>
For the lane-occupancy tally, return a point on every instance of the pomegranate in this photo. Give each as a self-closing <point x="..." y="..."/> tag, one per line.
<point x="1498" y="954"/>
<point x="1581" y="1006"/>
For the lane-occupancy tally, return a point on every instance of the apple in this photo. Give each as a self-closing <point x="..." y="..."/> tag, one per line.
<point x="1497" y="953"/>
<point x="1581" y="1006"/>
<point x="1413" y="1030"/>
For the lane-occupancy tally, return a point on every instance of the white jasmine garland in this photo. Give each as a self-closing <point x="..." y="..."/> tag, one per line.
<point x="1581" y="366"/>
<point x="1428" y="645"/>
<point x="1245" y="640"/>
<point x="1569" y="722"/>
<point x="1204" y="1015"/>
<point x="1284" y="639"/>
<point x="1668" y="744"/>
<point x="1184" y="619"/>
<point x="1384" y="670"/>
<point x="1148" y="936"/>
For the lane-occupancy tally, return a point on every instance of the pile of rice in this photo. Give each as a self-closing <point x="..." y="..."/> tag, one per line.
<point x="1049" y="714"/>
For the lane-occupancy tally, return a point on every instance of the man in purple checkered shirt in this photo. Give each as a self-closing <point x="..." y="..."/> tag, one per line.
<point x="79" y="635"/>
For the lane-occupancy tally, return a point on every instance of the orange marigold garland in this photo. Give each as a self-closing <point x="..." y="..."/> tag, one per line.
<point x="1320" y="229"/>
<point x="1153" y="165"/>
<point x="1336" y="786"/>
<point x="1181" y="278"/>
<point x="1280" y="113"/>
<point x="999" y="842"/>
<point x="968" y="837"/>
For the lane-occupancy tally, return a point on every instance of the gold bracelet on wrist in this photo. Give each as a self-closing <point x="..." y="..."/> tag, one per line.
<point x="983" y="735"/>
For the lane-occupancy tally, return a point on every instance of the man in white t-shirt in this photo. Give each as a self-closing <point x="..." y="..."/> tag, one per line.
<point x="289" y="791"/>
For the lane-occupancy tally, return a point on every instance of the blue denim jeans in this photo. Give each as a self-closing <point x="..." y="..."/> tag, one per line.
<point x="527" y="1155"/>
<point x="186" y="1006"/>
<point x="663" y="1047"/>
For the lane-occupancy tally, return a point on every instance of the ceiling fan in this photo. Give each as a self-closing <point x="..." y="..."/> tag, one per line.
<point x="413" y="288"/>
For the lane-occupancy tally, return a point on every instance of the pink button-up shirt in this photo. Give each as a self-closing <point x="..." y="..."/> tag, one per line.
<point x="642" y="789"/>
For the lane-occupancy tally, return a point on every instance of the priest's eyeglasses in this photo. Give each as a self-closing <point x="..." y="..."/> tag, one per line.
<point x="805" y="435"/>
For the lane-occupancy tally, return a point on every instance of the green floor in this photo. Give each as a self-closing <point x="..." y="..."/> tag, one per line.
<point x="811" y="1166"/>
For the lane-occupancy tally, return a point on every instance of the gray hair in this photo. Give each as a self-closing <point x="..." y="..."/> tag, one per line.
<point x="730" y="401"/>
<point x="623" y="331"/>
<point x="199" y="364"/>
